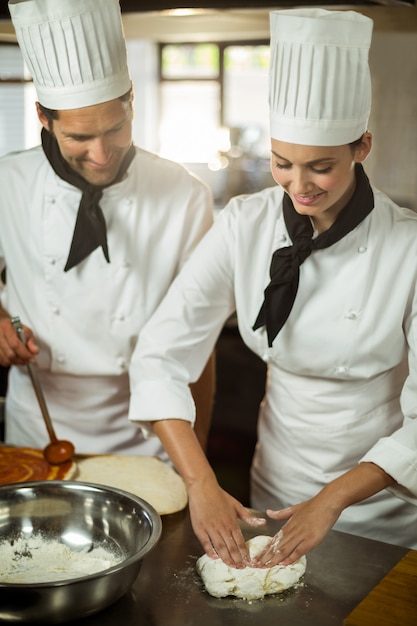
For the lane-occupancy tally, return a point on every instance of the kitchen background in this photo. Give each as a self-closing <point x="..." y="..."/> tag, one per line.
<point x="200" y="76"/>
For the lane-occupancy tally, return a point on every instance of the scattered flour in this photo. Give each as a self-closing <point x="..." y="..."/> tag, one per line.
<point x="37" y="560"/>
<point x="249" y="583"/>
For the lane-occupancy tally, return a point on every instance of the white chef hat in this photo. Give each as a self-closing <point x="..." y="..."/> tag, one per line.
<point x="74" y="49"/>
<point x="320" y="86"/>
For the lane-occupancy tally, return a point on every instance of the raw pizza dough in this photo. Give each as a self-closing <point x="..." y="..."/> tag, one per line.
<point x="249" y="583"/>
<point x="144" y="476"/>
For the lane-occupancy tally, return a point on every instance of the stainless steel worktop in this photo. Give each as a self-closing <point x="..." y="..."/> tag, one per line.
<point x="340" y="573"/>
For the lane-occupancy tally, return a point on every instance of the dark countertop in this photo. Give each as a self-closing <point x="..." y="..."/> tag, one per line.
<point x="168" y="592"/>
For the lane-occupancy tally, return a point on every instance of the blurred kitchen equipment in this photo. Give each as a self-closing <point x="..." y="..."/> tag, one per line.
<point x="83" y="516"/>
<point x="59" y="450"/>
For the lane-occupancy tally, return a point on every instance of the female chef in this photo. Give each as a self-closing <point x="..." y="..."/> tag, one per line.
<point x="322" y="272"/>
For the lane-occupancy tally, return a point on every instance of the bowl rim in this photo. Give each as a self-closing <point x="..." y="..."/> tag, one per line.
<point x="74" y="484"/>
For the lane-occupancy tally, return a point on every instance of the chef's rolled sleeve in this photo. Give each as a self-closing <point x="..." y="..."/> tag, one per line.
<point x="399" y="460"/>
<point x="173" y="402"/>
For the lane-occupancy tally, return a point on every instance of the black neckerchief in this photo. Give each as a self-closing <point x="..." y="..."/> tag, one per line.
<point x="90" y="226"/>
<point x="280" y="294"/>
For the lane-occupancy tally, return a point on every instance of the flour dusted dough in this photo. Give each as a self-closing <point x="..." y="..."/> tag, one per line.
<point x="144" y="476"/>
<point x="249" y="583"/>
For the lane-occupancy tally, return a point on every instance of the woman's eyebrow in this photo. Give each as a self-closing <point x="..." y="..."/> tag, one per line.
<point x="314" y="162"/>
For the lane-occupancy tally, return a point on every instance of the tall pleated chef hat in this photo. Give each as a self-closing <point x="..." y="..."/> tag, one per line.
<point x="319" y="84"/>
<point x="74" y="49"/>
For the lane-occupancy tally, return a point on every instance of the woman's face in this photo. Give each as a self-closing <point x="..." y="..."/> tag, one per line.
<point x="319" y="180"/>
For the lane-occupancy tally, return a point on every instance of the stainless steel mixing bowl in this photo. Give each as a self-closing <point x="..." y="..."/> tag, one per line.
<point x="77" y="514"/>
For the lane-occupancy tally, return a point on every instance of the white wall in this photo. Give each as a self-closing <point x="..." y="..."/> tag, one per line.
<point x="392" y="164"/>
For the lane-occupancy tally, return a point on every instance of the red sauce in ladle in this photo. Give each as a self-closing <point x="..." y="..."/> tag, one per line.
<point x="59" y="451"/>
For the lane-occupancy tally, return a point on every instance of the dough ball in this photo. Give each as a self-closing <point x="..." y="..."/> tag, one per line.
<point x="249" y="583"/>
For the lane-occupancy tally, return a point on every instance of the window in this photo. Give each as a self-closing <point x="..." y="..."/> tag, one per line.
<point x="19" y="127"/>
<point x="214" y="99"/>
<point x="189" y="101"/>
<point x="245" y="98"/>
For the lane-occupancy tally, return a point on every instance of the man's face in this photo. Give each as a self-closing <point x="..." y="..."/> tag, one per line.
<point x="93" y="140"/>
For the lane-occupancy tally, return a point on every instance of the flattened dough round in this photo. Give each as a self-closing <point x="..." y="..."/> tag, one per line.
<point x="144" y="476"/>
<point x="249" y="583"/>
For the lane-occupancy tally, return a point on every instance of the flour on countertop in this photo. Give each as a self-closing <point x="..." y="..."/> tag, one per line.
<point x="37" y="560"/>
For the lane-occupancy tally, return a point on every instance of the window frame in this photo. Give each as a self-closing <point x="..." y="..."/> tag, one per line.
<point x="221" y="45"/>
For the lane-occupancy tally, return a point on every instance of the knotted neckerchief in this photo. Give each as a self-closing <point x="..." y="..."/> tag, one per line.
<point x="280" y="294"/>
<point x="90" y="226"/>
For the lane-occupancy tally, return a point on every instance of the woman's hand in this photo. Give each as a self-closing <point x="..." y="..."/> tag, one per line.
<point x="214" y="513"/>
<point x="309" y="522"/>
<point x="12" y="349"/>
<point x="214" y="516"/>
<point x="307" y="525"/>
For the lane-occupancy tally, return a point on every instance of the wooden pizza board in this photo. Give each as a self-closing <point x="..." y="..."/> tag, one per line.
<point x="393" y="602"/>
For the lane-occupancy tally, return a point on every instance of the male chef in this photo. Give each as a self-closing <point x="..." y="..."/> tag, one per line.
<point x="93" y="231"/>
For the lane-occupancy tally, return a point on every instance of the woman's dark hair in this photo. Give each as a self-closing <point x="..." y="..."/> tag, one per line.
<point x="355" y="144"/>
<point x="53" y="114"/>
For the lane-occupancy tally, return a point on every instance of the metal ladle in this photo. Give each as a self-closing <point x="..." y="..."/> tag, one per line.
<point x="57" y="451"/>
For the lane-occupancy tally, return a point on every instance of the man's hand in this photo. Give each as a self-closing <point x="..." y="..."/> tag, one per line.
<point x="12" y="350"/>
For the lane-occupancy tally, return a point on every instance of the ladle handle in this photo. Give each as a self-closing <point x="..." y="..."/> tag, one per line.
<point x="35" y="382"/>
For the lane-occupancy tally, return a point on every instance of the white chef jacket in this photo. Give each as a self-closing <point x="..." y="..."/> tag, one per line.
<point x="342" y="373"/>
<point x="86" y="321"/>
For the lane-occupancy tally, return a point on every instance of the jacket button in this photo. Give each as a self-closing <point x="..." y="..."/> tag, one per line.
<point x="362" y="249"/>
<point x="351" y="315"/>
